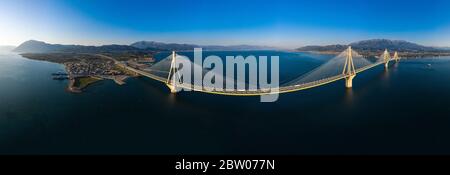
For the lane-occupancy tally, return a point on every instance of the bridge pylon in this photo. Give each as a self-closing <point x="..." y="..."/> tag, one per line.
<point x="172" y="85"/>
<point x="386" y="58"/>
<point x="396" y="58"/>
<point x="349" y="68"/>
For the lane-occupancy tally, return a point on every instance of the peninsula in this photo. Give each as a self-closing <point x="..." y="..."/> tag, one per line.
<point x="86" y="65"/>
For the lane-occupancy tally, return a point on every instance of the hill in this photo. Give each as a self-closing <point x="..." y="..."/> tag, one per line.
<point x="33" y="46"/>
<point x="162" y="46"/>
<point x="184" y="47"/>
<point x="374" y="45"/>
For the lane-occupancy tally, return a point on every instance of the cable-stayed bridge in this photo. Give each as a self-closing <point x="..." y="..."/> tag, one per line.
<point x="346" y="66"/>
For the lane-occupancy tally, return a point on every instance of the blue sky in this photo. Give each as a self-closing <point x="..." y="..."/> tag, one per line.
<point x="281" y="23"/>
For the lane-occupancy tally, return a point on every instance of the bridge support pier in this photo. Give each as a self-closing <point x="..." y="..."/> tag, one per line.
<point x="349" y="81"/>
<point x="396" y="58"/>
<point x="386" y="58"/>
<point x="172" y="88"/>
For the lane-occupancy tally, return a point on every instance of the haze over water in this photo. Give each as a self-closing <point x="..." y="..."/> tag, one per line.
<point x="401" y="110"/>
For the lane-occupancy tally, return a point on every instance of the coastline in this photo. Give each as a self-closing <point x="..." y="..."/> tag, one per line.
<point x="79" y="83"/>
<point x="76" y="85"/>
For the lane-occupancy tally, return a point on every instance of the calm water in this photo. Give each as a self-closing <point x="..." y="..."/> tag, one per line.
<point x="404" y="110"/>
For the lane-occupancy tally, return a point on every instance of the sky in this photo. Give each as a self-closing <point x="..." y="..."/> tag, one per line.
<point x="279" y="23"/>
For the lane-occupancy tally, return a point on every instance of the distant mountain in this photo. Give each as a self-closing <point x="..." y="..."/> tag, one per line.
<point x="162" y="46"/>
<point x="180" y="47"/>
<point x="34" y="46"/>
<point x="238" y="47"/>
<point x="398" y="45"/>
<point x="374" y="45"/>
<point x="336" y="47"/>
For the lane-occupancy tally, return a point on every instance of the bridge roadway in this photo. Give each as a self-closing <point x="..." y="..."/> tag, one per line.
<point x="256" y="92"/>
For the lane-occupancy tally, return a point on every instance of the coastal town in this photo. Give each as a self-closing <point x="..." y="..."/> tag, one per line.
<point x="83" y="70"/>
<point x="83" y="73"/>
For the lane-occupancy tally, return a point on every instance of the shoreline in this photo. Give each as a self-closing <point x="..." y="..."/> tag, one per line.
<point x="73" y="80"/>
<point x="91" y="80"/>
<point x="72" y="87"/>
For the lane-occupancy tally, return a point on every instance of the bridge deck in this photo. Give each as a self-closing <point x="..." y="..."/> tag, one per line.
<point x="256" y="92"/>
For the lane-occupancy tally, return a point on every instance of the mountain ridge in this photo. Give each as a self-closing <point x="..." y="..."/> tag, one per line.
<point x="374" y="45"/>
<point x="34" y="46"/>
<point x="180" y="47"/>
